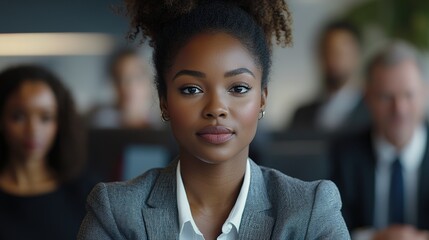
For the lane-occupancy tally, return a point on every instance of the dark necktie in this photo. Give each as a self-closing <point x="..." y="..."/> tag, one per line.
<point x="396" y="196"/>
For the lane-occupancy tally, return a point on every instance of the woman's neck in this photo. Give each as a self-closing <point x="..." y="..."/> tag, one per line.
<point x="212" y="190"/>
<point x="212" y="184"/>
<point x="29" y="177"/>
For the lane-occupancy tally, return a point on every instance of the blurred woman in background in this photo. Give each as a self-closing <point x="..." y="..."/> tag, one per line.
<point x="42" y="192"/>
<point x="130" y="76"/>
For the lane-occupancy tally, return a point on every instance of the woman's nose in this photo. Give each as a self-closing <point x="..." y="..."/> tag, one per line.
<point x="215" y="107"/>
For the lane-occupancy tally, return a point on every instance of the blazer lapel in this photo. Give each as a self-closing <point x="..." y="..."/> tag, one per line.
<point x="163" y="223"/>
<point x="162" y="211"/>
<point x="255" y="222"/>
<point x="160" y="214"/>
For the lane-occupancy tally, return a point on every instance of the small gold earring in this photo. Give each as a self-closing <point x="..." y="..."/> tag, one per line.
<point x="261" y="114"/>
<point x="164" y="117"/>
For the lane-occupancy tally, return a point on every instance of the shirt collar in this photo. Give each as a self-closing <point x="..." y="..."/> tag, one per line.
<point x="410" y="156"/>
<point x="234" y="218"/>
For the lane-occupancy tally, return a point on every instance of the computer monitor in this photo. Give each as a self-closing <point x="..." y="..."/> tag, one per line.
<point x="121" y="154"/>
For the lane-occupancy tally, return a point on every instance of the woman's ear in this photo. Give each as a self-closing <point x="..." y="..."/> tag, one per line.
<point x="264" y="96"/>
<point x="164" y="109"/>
<point x="163" y="104"/>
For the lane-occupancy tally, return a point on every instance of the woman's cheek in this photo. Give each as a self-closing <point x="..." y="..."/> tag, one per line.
<point x="181" y="112"/>
<point x="249" y="110"/>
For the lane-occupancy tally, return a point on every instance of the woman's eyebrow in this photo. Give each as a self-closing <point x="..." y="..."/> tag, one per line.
<point x="238" y="71"/>
<point x="192" y="73"/>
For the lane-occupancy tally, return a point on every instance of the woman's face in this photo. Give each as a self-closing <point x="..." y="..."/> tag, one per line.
<point x="132" y="84"/>
<point x="29" y="121"/>
<point x="214" y="98"/>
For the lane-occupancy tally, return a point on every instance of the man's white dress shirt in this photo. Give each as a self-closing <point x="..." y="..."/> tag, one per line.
<point x="411" y="157"/>
<point x="337" y="108"/>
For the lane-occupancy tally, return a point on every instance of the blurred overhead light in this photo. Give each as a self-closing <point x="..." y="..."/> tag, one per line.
<point x="55" y="44"/>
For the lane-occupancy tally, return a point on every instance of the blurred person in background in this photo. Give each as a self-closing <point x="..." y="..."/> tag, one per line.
<point x="131" y="80"/>
<point x="131" y="111"/>
<point x="383" y="172"/>
<point x="340" y="102"/>
<point x="42" y="191"/>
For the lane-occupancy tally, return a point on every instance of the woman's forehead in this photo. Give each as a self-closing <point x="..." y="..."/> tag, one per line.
<point x="213" y="52"/>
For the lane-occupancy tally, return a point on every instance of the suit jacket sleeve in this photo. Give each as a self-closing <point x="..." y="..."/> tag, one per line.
<point x="99" y="222"/>
<point x="326" y="221"/>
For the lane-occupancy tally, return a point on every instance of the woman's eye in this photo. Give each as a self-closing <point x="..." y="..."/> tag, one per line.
<point x="190" y="90"/>
<point x="240" y="89"/>
<point x="47" y="118"/>
<point x="18" y="117"/>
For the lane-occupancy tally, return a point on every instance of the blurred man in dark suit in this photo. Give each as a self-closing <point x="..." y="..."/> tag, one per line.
<point x="383" y="173"/>
<point x="340" y="103"/>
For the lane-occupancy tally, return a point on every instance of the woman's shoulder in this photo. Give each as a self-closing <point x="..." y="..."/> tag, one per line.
<point x="288" y="190"/>
<point x="296" y="203"/>
<point x="287" y="183"/>
<point x="115" y="208"/>
<point x="127" y="190"/>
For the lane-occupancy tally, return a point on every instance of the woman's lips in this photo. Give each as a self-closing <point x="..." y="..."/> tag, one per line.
<point x="216" y="134"/>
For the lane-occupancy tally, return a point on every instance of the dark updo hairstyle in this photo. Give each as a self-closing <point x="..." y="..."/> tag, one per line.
<point x="170" y="24"/>
<point x="66" y="156"/>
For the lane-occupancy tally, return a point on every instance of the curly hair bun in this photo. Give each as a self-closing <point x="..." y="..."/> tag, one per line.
<point x="148" y="17"/>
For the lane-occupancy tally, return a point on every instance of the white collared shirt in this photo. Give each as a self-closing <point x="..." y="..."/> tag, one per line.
<point x="411" y="157"/>
<point x="231" y="227"/>
<point x="337" y="108"/>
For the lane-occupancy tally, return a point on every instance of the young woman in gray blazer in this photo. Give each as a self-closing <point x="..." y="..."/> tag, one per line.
<point x="212" y="61"/>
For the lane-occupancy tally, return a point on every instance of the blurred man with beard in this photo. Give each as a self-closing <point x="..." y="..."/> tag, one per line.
<point x="340" y="103"/>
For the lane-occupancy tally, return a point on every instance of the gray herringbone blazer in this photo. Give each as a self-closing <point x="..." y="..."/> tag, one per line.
<point x="277" y="207"/>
